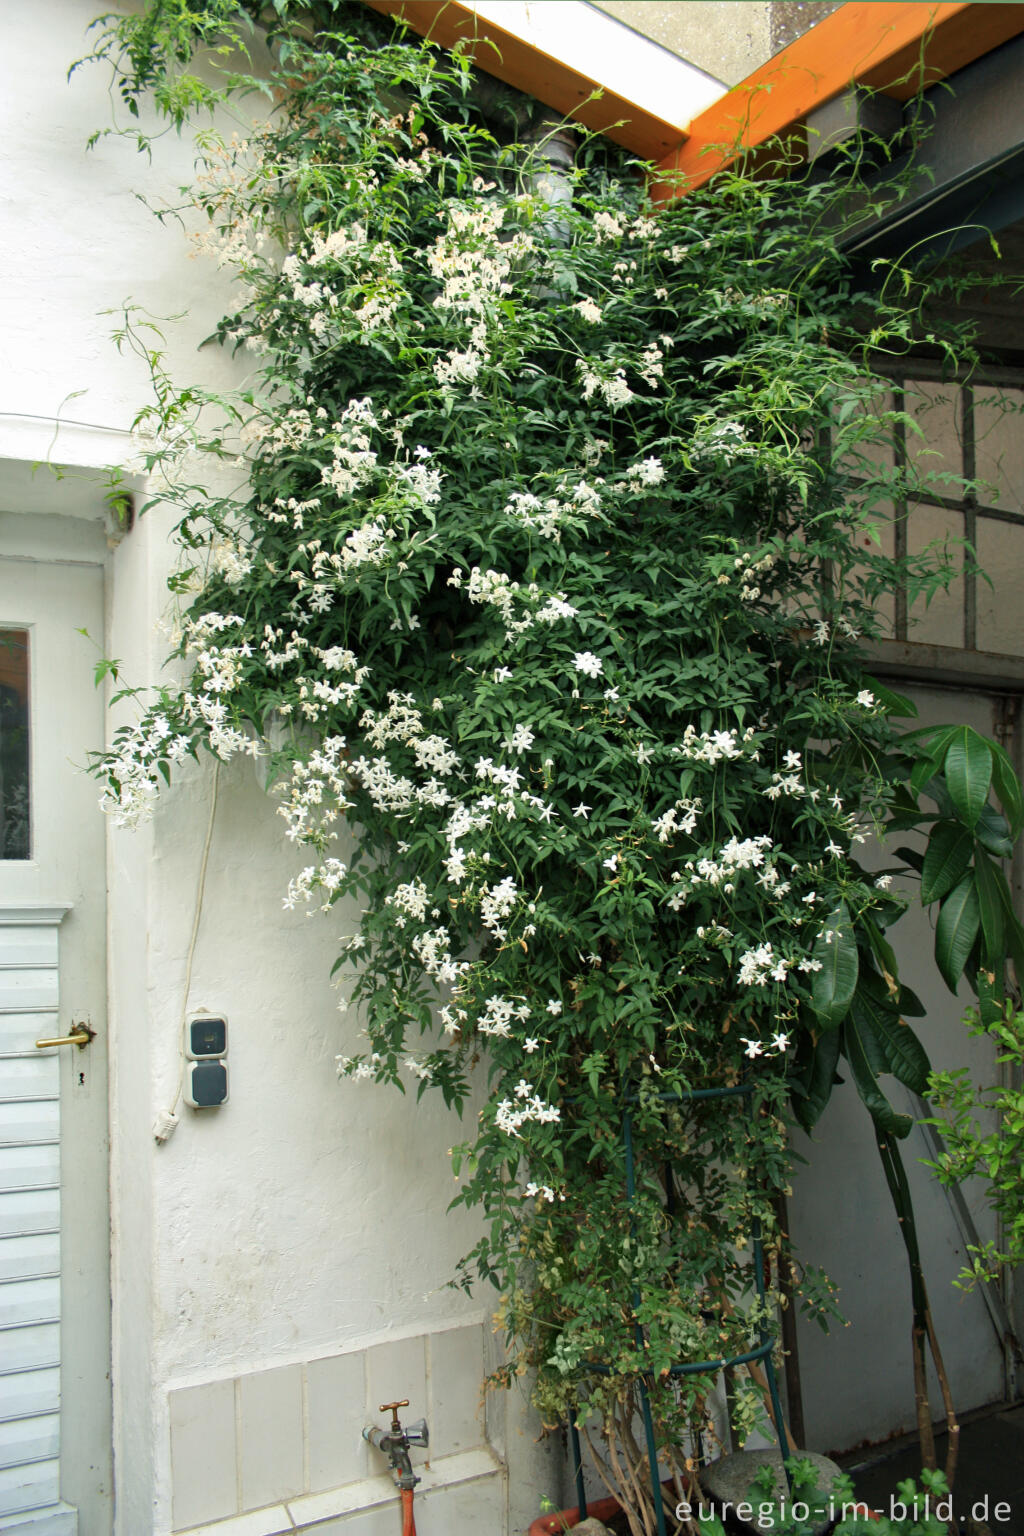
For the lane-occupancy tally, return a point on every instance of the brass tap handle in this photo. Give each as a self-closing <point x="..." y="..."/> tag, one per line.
<point x="393" y="1408"/>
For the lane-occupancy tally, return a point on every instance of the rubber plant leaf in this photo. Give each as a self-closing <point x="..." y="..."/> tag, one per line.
<point x="1014" y="933"/>
<point x="968" y="770"/>
<point x="956" y="930"/>
<point x="990" y="908"/>
<point x="836" y="951"/>
<point x="894" y="703"/>
<point x="993" y="833"/>
<point x="863" y="1055"/>
<point x="946" y="859"/>
<point x="813" y="1088"/>
<point x="1007" y="787"/>
<point x="900" y="1049"/>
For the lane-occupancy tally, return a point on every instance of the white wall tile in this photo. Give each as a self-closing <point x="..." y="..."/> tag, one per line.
<point x="393" y="1371"/>
<point x="456" y="1363"/>
<point x="204" y="1482"/>
<point x="369" y="1522"/>
<point x="476" y="1506"/>
<point x="337" y="1415"/>
<point x="271" y="1435"/>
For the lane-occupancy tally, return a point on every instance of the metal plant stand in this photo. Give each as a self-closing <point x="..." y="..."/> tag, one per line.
<point x="762" y="1352"/>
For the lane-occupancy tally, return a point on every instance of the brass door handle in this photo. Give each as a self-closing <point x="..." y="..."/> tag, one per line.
<point x="79" y="1034"/>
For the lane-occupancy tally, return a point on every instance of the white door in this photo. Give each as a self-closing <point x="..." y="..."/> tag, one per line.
<point x="55" y="1463"/>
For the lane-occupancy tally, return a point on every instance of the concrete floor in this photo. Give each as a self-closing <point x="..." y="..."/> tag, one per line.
<point x="989" y="1482"/>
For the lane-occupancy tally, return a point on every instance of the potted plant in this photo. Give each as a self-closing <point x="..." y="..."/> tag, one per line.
<point x="548" y="581"/>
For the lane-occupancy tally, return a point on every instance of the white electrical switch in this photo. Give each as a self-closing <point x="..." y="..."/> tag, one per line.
<point x="206" y="1049"/>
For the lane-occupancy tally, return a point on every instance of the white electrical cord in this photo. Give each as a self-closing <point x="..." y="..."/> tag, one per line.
<point x="168" y="1120"/>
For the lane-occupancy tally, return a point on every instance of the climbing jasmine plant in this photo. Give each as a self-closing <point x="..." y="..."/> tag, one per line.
<point x="557" y="531"/>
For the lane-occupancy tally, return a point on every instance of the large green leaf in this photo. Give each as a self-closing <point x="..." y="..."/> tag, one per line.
<point x="813" y="1087"/>
<point x="1007" y="787"/>
<point x="1014" y="933"/>
<point x="911" y="857"/>
<point x="956" y="930"/>
<point x="894" y="703"/>
<point x="946" y="858"/>
<point x="836" y="951"/>
<point x="968" y="769"/>
<point x="899" y="1048"/>
<point x="990" y="907"/>
<point x="865" y="1060"/>
<point x="993" y="832"/>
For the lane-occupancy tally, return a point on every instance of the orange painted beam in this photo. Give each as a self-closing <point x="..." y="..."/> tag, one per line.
<point x="501" y="53"/>
<point x="891" y="48"/>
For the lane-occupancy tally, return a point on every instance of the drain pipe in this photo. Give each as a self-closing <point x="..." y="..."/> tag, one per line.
<point x="395" y="1442"/>
<point x="554" y="146"/>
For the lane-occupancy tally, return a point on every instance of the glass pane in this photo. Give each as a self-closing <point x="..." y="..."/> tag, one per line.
<point x="935" y="452"/>
<point x="14" y="780"/>
<point x="1001" y="554"/>
<point x="938" y="533"/>
<point x="999" y="419"/>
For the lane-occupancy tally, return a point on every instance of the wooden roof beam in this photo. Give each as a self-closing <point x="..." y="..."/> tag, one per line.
<point x="565" y="53"/>
<point x="891" y="48"/>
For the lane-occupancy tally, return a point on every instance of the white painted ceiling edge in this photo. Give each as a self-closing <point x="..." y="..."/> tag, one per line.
<point x="597" y="45"/>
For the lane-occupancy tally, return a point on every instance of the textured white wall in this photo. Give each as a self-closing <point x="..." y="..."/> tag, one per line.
<point x="305" y="1216"/>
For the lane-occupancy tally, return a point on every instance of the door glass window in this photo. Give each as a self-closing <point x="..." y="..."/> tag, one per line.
<point x="15" y="842"/>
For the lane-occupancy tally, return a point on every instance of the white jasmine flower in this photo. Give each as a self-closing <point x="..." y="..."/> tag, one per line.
<point x="866" y="698"/>
<point x="648" y="472"/>
<point x="780" y="1042"/>
<point x="612" y="695"/>
<point x="531" y="1044"/>
<point x="612" y="863"/>
<point x="554" y="1007"/>
<point x="590" y="311"/>
<point x="502" y="674"/>
<point x="883" y="882"/>
<point x="582" y="810"/>
<point x="753" y="1047"/>
<point x="587" y="663"/>
<point x="521" y="740"/>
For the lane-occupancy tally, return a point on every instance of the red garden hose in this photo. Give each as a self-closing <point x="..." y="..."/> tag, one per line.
<point x="408" y="1518"/>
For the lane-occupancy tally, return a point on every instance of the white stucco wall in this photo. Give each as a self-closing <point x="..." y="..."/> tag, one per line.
<point x="304" y="1223"/>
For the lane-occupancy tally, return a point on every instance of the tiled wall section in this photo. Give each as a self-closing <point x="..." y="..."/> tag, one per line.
<point x="281" y="1436"/>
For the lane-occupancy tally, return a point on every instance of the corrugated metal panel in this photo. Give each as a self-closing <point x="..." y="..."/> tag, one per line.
<point x="29" y="1219"/>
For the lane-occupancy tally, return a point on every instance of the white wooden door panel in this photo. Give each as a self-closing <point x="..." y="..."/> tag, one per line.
<point x="54" y="1243"/>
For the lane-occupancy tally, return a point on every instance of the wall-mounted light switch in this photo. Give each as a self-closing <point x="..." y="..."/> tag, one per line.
<point x="206" y="1073"/>
<point x="206" y="1036"/>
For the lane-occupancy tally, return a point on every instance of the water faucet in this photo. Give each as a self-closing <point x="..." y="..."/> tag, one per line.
<point x="395" y="1442"/>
